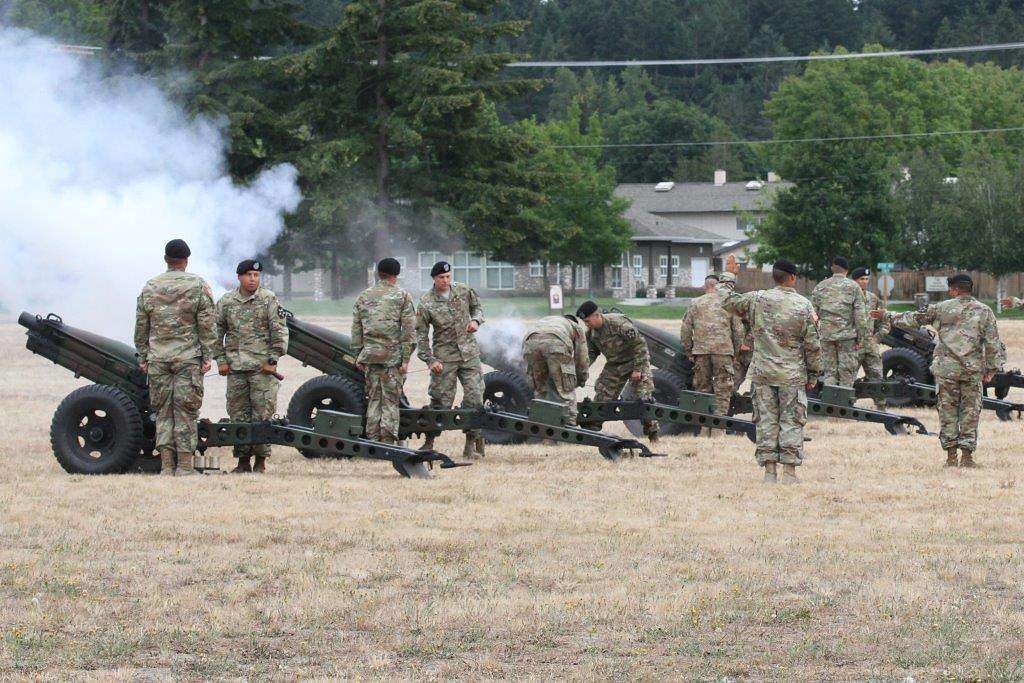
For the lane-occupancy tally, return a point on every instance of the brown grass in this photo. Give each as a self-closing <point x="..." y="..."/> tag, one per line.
<point x="539" y="562"/>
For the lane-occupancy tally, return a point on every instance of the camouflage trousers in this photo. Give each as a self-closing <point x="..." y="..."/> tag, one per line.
<point x="780" y="414"/>
<point x="959" y="407"/>
<point x="742" y="364"/>
<point x="841" y="362"/>
<point x="552" y="372"/>
<point x="252" y="397"/>
<point x="383" y="398"/>
<point x="466" y="373"/>
<point x="715" y="374"/>
<point x="176" y="395"/>
<point x="614" y="378"/>
<point x="871" y="361"/>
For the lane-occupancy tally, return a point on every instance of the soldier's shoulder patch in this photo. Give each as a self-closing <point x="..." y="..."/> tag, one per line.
<point x="207" y="289"/>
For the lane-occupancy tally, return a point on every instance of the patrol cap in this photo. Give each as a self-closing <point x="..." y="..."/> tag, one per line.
<point x="859" y="272"/>
<point x="389" y="266"/>
<point x="586" y="309"/>
<point x="785" y="266"/>
<point x="177" y="249"/>
<point x="727" y="277"/>
<point x="960" y="279"/>
<point x="247" y="265"/>
<point x="712" y="276"/>
<point x="440" y="268"/>
<point x="840" y="262"/>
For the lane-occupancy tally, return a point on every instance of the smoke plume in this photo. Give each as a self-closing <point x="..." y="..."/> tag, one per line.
<point x="97" y="175"/>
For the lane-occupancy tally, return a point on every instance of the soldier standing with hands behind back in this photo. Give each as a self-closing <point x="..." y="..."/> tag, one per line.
<point x="842" y="324"/>
<point x="252" y="334"/>
<point x="455" y="313"/>
<point x="871" y="355"/>
<point x="383" y="339"/>
<point x="174" y="336"/>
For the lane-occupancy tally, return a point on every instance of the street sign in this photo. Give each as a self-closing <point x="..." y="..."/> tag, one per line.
<point x="555" y="297"/>
<point x="935" y="284"/>
<point x="886" y="267"/>
<point x="885" y="285"/>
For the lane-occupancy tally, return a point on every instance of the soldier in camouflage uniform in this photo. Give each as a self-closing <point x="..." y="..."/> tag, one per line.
<point x="787" y="363"/>
<point x="455" y="313"/>
<point x="383" y="339"/>
<point x="711" y="336"/>
<point x="555" y="351"/>
<point x="968" y="353"/>
<point x="746" y="350"/>
<point x="843" y="325"/>
<point x="252" y="334"/>
<point x="627" y="358"/>
<point x="871" y="354"/>
<point x="174" y="336"/>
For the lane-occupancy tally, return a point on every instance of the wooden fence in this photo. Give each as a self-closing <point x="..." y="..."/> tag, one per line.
<point x="907" y="283"/>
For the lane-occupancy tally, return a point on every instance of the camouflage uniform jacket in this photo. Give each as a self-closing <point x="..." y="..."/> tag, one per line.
<point x="710" y="329"/>
<point x="842" y="313"/>
<point x="573" y="335"/>
<point x="967" y="340"/>
<point x="174" y="319"/>
<point x="787" y="351"/>
<point x="450" y="318"/>
<point x="880" y="328"/>
<point x="620" y="342"/>
<point x="384" y="326"/>
<point x="251" y="329"/>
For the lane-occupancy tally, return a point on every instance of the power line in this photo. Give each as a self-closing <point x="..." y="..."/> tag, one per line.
<point x="781" y="58"/>
<point x="845" y="138"/>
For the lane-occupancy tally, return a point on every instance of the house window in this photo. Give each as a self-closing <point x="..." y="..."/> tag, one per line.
<point x="638" y="266"/>
<point x="536" y="269"/>
<point x="501" y="275"/>
<point x="468" y="268"/>
<point x="617" y="272"/>
<point x="675" y="267"/>
<point x="583" y="277"/>
<point x="663" y="266"/>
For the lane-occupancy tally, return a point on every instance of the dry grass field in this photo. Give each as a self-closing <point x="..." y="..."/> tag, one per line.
<point x="539" y="562"/>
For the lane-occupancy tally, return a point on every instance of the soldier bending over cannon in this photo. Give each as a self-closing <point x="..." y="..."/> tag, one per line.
<point x="555" y="351"/>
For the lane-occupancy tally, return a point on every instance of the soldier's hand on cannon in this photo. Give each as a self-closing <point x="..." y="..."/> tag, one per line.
<point x="636" y="376"/>
<point x="473" y="326"/>
<point x="436" y="367"/>
<point x="732" y="265"/>
<point x="223" y="369"/>
<point x="744" y="347"/>
<point x="144" y="367"/>
<point x="360" y="367"/>
<point x="988" y="377"/>
<point x="878" y="314"/>
<point x="811" y="384"/>
<point x="205" y="367"/>
<point x="1006" y="303"/>
<point x="404" y="369"/>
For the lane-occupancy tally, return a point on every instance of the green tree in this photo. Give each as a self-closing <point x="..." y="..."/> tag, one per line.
<point x="78" y="21"/>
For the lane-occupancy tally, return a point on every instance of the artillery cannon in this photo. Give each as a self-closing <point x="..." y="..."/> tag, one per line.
<point x="909" y="358"/>
<point x="108" y="427"/>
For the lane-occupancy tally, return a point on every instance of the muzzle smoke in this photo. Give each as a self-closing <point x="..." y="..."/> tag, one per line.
<point x="96" y="175"/>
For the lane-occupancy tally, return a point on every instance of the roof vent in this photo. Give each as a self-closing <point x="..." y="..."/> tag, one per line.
<point x="664" y="187"/>
<point x="755" y="185"/>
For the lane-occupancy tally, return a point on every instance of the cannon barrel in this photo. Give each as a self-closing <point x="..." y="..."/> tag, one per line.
<point x="665" y="348"/>
<point x="328" y="351"/>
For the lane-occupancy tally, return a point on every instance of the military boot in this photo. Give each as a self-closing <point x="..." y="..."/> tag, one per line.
<point x="789" y="474"/>
<point x="468" y="451"/>
<point x="185" y="466"/>
<point x="967" y="459"/>
<point x="951" y="457"/>
<point x="260" y="464"/>
<point x="651" y="432"/>
<point x="478" y="441"/>
<point x="770" y="475"/>
<point x="243" y="465"/>
<point x="428" y="443"/>
<point x="167" y="462"/>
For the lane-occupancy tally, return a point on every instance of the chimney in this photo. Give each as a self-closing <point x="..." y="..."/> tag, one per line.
<point x="773" y="177"/>
<point x="720" y="178"/>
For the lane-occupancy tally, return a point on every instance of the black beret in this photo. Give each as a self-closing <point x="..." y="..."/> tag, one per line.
<point x="785" y="266"/>
<point x="960" y="279"/>
<point x="247" y="265"/>
<point x="440" y="268"/>
<point x="177" y="249"/>
<point x="389" y="266"/>
<point x="586" y="309"/>
<point x="859" y="272"/>
<point x="841" y="262"/>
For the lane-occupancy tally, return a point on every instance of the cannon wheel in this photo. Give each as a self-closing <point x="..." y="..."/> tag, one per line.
<point x="509" y="392"/>
<point x="667" y="387"/>
<point x="97" y="429"/>
<point x="330" y="392"/>
<point x="902" y="363"/>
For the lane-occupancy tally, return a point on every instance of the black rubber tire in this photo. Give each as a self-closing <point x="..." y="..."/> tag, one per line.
<point x="509" y="392"/>
<point x="668" y="386"/>
<point x="901" y="363"/>
<point x="331" y="392"/>
<point x="96" y="429"/>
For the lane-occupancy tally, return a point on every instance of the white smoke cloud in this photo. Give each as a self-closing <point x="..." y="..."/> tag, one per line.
<point x="97" y="175"/>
